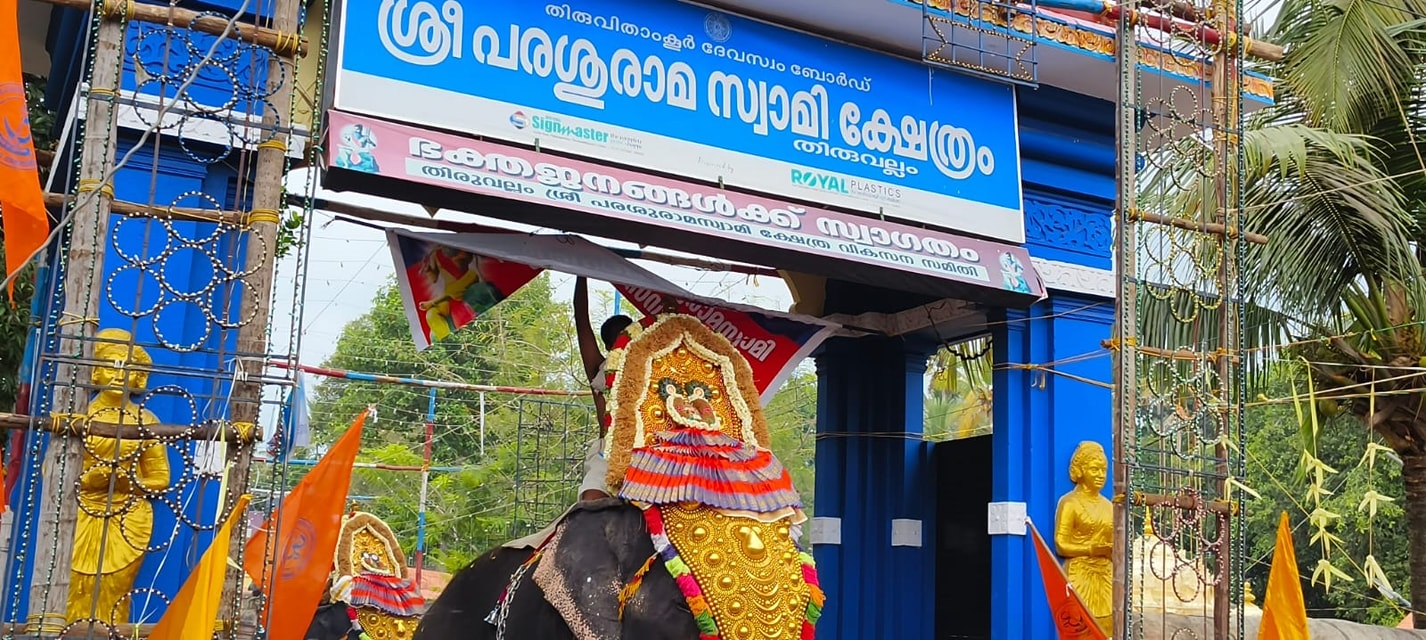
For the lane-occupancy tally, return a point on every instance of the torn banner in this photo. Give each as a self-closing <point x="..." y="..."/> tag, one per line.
<point x="773" y="343"/>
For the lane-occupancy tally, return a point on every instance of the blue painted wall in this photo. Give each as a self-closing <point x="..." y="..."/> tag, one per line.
<point x="1041" y="418"/>
<point x="869" y="473"/>
<point x="870" y="389"/>
<point x="180" y="302"/>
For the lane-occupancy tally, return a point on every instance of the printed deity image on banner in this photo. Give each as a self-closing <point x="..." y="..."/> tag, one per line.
<point x="444" y="288"/>
<point x="354" y="147"/>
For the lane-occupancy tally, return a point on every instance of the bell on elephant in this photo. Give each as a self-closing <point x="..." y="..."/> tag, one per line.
<point x="370" y="577"/>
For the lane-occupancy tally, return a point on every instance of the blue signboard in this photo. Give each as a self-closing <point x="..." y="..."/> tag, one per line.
<point x="675" y="88"/>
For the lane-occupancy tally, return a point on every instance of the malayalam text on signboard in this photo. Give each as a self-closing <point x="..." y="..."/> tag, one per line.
<point x="488" y="168"/>
<point x="681" y="89"/>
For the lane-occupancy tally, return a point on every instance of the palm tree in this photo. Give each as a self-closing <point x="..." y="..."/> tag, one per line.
<point x="1335" y="176"/>
<point x="958" y="398"/>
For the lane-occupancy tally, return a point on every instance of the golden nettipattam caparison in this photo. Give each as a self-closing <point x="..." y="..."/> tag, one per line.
<point x="1084" y="533"/>
<point x="112" y="531"/>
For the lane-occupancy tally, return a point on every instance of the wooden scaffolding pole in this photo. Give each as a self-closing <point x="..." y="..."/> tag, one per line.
<point x="83" y="292"/>
<point x="1226" y="91"/>
<point x="263" y="224"/>
<point x="1126" y="323"/>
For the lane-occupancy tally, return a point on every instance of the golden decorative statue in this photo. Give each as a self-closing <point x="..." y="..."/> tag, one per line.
<point x="1084" y="533"/>
<point x="112" y="530"/>
<point x="688" y="444"/>
<point x="371" y="578"/>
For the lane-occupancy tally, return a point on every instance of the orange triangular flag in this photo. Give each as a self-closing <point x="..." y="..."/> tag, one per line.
<point x="1072" y="619"/>
<point x="294" y="569"/>
<point x="194" y="611"/>
<point x="22" y="203"/>
<point x="1284" y="610"/>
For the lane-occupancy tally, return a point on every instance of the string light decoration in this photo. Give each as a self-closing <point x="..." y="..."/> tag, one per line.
<point x="1178" y="435"/>
<point x="171" y="98"/>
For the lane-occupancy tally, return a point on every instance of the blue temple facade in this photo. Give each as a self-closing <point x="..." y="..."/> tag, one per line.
<point x="914" y="540"/>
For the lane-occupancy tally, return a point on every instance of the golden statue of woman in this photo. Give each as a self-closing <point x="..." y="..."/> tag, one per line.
<point x="1084" y="533"/>
<point x="112" y="530"/>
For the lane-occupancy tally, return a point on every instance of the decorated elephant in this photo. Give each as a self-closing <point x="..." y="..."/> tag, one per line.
<point x="603" y="546"/>
<point x="699" y="542"/>
<point x="371" y="579"/>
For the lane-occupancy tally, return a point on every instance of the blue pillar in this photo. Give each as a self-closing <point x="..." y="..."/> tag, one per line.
<point x="874" y="481"/>
<point x="1040" y="417"/>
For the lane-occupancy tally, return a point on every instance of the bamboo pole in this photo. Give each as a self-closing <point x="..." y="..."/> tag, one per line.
<point x="76" y="425"/>
<point x="1125" y="321"/>
<point x="83" y="292"/>
<point x="263" y="226"/>
<point x="150" y="211"/>
<point x="284" y="43"/>
<point x="1214" y="228"/>
<point x="1226" y="93"/>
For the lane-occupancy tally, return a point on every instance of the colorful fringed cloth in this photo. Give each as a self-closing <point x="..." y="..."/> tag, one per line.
<point x="708" y="467"/>
<point x="388" y="594"/>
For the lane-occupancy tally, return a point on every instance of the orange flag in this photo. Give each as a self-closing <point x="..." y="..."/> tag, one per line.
<point x="307" y="521"/>
<point x="22" y="204"/>
<point x="1284" y="611"/>
<point x="1071" y="618"/>
<point x="195" y="607"/>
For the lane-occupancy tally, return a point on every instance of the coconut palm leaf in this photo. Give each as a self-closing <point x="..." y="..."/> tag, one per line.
<point x="1351" y="61"/>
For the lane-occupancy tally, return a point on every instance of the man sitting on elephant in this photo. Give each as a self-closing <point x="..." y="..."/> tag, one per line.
<point x="595" y="466"/>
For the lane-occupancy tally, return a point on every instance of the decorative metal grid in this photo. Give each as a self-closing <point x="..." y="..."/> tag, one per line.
<point x="150" y="374"/>
<point x="551" y="441"/>
<point x="987" y="37"/>
<point x="1179" y="378"/>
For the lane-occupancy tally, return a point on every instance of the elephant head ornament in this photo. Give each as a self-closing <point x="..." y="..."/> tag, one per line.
<point x="701" y="540"/>
<point x="688" y="444"/>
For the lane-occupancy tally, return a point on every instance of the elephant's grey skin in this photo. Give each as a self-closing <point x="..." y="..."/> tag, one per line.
<point x="605" y="541"/>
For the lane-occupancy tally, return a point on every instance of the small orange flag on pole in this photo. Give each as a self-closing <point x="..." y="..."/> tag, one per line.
<point x="1284" y="610"/>
<point x="1072" y="619"/>
<point x="22" y="203"/>
<point x="308" y="521"/>
<point x="194" y="611"/>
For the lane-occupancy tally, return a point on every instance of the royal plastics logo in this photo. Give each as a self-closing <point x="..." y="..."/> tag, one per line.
<point x="518" y="120"/>
<point x="16" y="145"/>
<point x="717" y="27"/>
<point x="820" y="181"/>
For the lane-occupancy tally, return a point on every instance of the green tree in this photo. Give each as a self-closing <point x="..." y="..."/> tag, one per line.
<point x="1274" y="470"/>
<point x="792" y="425"/>
<point x="1335" y="178"/>
<point x="525" y="341"/>
<point x="959" y="397"/>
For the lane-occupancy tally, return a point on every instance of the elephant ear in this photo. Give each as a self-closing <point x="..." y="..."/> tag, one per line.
<point x="581" y="569"/>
